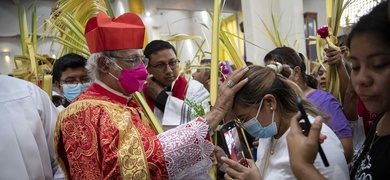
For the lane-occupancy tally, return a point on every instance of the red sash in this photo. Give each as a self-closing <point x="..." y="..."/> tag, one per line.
<point x="179" y="91"/>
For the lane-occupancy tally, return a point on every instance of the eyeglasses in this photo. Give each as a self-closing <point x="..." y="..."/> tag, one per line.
<point x="134" y="60"/>
<point x="243" y="119"/>
<point x="172" y="64"/>
<point x="71" y="83"/>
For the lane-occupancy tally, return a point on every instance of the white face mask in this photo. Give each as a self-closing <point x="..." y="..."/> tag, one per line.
<point x="255" y="129"/>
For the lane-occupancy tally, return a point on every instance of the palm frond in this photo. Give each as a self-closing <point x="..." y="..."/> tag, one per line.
<point x="241" y="38"/>
<point x="23" y="29"/>
<point x="214" y="49"/>
<point x="67" y="24"/>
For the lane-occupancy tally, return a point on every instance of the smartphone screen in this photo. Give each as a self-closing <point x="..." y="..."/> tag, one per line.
<point x="235" y="145"/>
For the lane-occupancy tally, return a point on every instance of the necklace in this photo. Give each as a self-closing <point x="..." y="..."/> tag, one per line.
<point x="267" y="154"/>
<point x="272" y="146"/>
<point x="374" y="140"/>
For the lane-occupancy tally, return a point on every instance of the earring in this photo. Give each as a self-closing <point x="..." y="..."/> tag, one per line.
<point x="272" y="108"/>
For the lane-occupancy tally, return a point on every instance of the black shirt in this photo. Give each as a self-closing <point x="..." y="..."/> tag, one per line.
<point x="373" y="159"/>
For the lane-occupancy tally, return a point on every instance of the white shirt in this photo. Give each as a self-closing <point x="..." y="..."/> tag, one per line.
<point x="177" y="112"/>
<point x="27" y="121"/>
<point x="277" y="165"/>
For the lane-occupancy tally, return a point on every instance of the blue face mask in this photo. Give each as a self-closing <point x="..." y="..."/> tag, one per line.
<point x="255" y="129"/>
<point x="71" y="93"/>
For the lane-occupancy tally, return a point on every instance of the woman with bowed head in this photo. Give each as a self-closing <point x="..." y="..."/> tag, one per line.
<point x="264" y="107"/>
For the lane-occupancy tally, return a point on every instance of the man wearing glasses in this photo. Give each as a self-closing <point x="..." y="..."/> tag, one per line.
<point x="166" y="91"/>
<point x="104" y="133"/>
<point x="70" y="77"/>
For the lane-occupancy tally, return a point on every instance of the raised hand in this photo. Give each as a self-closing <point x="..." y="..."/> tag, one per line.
<point x="227" y="91"/>
<point x="303" y="150"/>
<point x="153" y="87"/>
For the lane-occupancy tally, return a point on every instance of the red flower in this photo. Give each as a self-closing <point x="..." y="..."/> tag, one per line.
<point x="323" y="32"/>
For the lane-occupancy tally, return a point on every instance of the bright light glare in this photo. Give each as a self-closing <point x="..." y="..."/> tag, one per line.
<point x="7" y="59"/>
<point x="204" y="16"/>
<point x="121" y="8"/>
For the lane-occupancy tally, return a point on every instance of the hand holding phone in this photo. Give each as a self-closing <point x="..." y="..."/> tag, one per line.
<point x="234" y="144"/>
<point x="306" y="130"/>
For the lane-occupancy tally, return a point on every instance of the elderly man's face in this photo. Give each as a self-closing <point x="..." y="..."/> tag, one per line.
<point x="121" y="60"/>
<point x="121" y="57"/>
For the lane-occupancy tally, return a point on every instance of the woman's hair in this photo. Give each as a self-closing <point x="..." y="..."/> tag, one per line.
<point x="288" y="56"/>
<point x="376" y="22"/>
<point x="311" y="81"/>
<point x="262" y="81"/>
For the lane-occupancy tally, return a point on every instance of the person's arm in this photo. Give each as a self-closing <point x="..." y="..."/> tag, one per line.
<point x="335" y="58"/>
<point x="174" y="107"/>
<point x="340" y="126"/>
<point x="303" y="150"/>
<point x="194" y="136"/>
<point x="348" y="148"/>
<point x="153" y="88"/>
<point x="48" y="113"/>
<point x="350" y="108"/>
<point x="161" y="100"/>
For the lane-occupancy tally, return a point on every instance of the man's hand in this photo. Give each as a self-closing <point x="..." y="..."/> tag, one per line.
<point x="153" y="87"/>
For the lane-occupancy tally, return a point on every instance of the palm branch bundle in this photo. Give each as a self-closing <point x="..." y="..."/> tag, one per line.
<point x="31" y="66"/>
<point x="67" y="23"/>
<point x="221" y="38"/>
<point x="330" y="34"/>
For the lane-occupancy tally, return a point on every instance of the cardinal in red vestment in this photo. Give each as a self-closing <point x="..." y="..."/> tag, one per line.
<point x="104" y="134"/>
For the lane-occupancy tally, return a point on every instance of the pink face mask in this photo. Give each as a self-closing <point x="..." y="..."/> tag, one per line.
<point x="132" y="80"/>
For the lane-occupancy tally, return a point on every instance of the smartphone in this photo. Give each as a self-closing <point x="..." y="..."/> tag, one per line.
<point x="306" y="129"/>
<point x="305" y="125"/>
<point x="234" y="143"/>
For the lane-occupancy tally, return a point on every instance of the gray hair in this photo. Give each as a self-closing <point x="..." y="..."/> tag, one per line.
<point x="92" y="66"/>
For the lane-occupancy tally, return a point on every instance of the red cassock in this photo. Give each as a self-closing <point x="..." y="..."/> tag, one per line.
<point x="103" y="135"/>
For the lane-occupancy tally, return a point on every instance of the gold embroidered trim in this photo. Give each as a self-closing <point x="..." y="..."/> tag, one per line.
<point x="131" y="155"/>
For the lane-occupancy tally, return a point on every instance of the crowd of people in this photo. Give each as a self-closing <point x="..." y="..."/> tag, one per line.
<point x="93" y="128"/>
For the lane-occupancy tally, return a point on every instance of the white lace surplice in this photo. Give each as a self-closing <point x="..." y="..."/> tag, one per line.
<point x="186" y="150"/>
